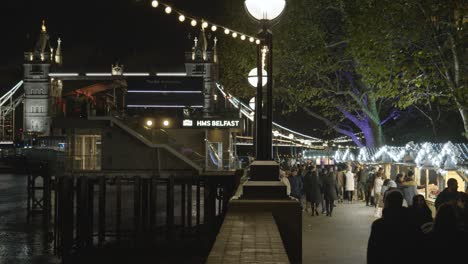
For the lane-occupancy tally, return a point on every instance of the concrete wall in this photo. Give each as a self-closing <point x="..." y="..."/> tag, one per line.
<point x="189" y="138"/>
<point x="121" y="151"/>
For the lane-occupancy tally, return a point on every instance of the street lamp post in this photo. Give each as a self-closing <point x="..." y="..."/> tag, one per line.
<point x="266" y="12"/>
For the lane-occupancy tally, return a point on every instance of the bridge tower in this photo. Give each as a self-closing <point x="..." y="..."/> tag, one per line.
<point x="37" y="85"/>
<point x="202" y="60"/>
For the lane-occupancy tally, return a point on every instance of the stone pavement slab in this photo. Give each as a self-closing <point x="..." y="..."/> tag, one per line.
<point x="340" y="239"/>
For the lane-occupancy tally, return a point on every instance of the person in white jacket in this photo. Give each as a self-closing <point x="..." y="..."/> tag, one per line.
<point x="377" y="188"/>
<point x="284" y="179"/>
<point x="349" y="185"/>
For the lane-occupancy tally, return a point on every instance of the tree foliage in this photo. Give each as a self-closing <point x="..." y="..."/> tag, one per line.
<point x="353" y="64"/>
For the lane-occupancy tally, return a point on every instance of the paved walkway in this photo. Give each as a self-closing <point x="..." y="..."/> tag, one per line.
<point x="339" y="239"/>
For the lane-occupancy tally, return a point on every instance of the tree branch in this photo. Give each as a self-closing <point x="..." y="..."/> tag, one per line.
<point x="334" y="126"/>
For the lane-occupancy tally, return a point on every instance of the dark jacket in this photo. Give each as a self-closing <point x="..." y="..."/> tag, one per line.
<point x="444" y="197"/>
<point x="329" y="187"/>
<point x="296" y="186"/>
<point x="387" y="232"/>
<point x="420" y="216"/>
<point x="312" y="187"/>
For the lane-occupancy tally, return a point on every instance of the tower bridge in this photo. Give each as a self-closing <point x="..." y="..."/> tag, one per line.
<point x="49" y="96"/>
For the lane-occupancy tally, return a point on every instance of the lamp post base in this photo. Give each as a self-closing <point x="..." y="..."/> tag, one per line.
<point x="264" y="182"/>
<point x="264" y="170"/>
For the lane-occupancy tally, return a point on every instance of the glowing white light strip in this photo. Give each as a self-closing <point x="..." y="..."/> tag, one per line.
<point x="63" y="74"/>
<point x="99" y="74"/>
<point x="154" y="91"/>
<point x="171" y="74"/>
<point x="136" y="74"/>
<point x="165" y="106"/>
<point x="274" y="145"/>
<point x="234" y="101"/>
<point x="294" y="132"/>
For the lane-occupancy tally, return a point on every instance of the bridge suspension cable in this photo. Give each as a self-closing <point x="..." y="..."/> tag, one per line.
<point x="249" y="113"/>
<point x="8" y="104"/>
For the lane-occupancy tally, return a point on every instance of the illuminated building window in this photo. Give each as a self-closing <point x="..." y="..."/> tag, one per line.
<point x="86" y="154"/>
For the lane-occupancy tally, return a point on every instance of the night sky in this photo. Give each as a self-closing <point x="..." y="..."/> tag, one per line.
<point x="97" y="33"/>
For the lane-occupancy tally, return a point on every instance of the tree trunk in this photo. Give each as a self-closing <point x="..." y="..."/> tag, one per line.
<point x="375" y="123"/>
<point x="369" y="136"/>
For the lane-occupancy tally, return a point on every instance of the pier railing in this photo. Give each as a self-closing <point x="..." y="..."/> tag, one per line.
<point x="134" y="212"/>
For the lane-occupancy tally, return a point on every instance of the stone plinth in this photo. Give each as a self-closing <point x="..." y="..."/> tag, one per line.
<point x="264" y="170"/>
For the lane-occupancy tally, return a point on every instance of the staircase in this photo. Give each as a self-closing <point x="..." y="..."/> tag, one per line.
<point x="157" y="138"/>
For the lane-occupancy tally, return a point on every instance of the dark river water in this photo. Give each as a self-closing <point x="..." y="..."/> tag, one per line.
<point x="20" y="242"/>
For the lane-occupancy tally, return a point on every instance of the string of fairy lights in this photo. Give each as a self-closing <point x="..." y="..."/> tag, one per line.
<point x="185" y="18"/>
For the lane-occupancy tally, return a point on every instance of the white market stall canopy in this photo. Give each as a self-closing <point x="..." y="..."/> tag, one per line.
<point x="448" y="156"/>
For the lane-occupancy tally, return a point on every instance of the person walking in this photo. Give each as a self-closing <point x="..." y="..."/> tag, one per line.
<point x="322" y="174"/>
<point x="378" y="183"/>
<point x="296" y="184"/>
<point x="380" y="202"/>
<point x="312" y="189"/>
<point x="285" y="181"/>
<point x="340" y="183"/>
<point x="330" y="191"/>
<point x="369" y="186"/>
<point x="362" y="186"/>
<point x="349" y="184"/>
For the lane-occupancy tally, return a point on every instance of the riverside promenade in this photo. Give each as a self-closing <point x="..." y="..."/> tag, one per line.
<point x="341" y="239"/>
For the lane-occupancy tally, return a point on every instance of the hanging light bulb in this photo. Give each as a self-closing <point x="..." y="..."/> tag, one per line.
<point x="226" y="31"/>
<point x="168" y="10"/>
<point x="234" y="35"/>
<point x="204" y="24"/>
<point x="243" y="37"/>
<point x="251" y="39"/>
<point x="181" y="18"/>
<point x="257" y="41"/>
<point x="154" y="3"/>
<point x="214" y="28"/>
<point x="193" y="23"/>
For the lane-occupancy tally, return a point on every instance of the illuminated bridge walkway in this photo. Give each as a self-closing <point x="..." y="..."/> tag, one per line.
<point x="341" y="239"/>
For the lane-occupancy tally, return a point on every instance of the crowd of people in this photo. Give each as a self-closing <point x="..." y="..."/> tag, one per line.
<point x="318" y="186"/>
<point x="418" y="237"/>
<point x="405" y="231"/>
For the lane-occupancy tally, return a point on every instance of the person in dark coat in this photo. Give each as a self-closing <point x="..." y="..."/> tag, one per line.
<point x="390" y="230"/>
<point x="421" y="221"/>
<point x="322" y="175"/>
<point x="330" y="190"/>
<point x="296" y="184"/>
<point x="312" y="188"/>
<point x="446" y="237"/>
<point x="449" y="194"/>
<point x="419" y="211"/>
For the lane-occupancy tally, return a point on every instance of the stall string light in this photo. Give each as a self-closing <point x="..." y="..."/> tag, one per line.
<point x="446" y="156"/>
<point x="182" y="17"/>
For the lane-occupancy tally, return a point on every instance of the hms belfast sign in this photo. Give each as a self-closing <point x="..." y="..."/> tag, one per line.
<point x="213" y="123"/>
